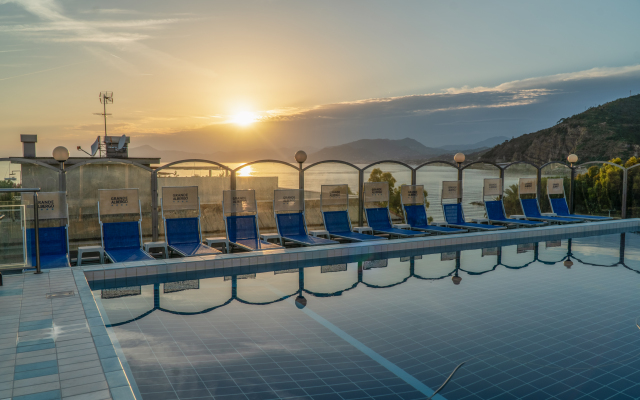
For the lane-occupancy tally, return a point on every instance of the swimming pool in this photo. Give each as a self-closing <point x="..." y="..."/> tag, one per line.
<point x="544" y="319"/>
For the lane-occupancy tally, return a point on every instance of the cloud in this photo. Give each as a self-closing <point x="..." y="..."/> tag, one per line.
<point x="125" y="35"/>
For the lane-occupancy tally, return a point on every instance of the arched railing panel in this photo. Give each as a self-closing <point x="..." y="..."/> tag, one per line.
<point x="601" y="251"/>
<point x="630" y="250"/>
<point x="329" y="173"/>
<point x="633" y="188"/>
<point x="599" y="189"/>
<point x="194" y="296"/>
<point x="473" y="176"/>
<point x="554" y="170"/>
<point x="434" y="266"/>
<point x="384" y="273"/>
<point x="27" y="173"/>
<point x="267" y="287"/>
<point x="397" y="174"/>
<point x="210" y="177"/>
<point x="478" y="261"/>
<point x="83" y="182"/>
<point x="330" y="279"/>
<point x="553" y="251"/>
<point x="512" y="173"/>
<point x="126" y="303"/>
<point x="264" y="177"/>
<point x="431" y="175"/>
<point x="518" y="256"/>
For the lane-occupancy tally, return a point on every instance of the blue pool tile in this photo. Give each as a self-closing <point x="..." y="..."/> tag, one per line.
<point x="35" y="373"/>
<point x="25" y="349"/>
<point x="38" y="365"/>
<point x="50" y="395"/>
<point x="10" y="292"/>
<point x="34" y="325"/>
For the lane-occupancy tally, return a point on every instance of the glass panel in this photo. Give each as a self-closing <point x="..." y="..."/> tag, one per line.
<point x="82" y="193"/>
<point x="329" y="174"/>
<point x="472" y="183"/>
<point x="396" y="175"/>
<point x="211" y="181"/>
<point x="511" y="176"/>
<point x="518" y="256"/>
<point x="552" y="171"/>
<point x="12" y="235"/>
<point x="330" y="279"/>
<point x="475" y="262"/>
<point x="432" y="176"/>
<point x="264" y="178"/>
<point x="598" y="190"/>
<point x="194" y="295"/>
<point x="553" y="251"/>
<point x="633" y="192"/>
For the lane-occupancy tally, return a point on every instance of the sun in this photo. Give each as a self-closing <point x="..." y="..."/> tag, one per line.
<point x="244" y="118"/>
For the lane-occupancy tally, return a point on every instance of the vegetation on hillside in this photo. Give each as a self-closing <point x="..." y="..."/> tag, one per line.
<point x="600" y="133"/>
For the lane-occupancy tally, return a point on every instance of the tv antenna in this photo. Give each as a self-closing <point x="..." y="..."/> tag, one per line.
<point x="105" y="98"/>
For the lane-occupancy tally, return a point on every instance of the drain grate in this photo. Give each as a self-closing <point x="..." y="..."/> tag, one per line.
<point x="56" y="295"/>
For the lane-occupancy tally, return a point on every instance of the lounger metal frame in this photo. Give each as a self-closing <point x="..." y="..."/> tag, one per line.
<point x="504" y="212"/>
<point x="66" y="232"/>
<point x="255" y="216"/>
<point x="404" y="213"/>
<point x="164" y="221"/>
<point x="324" y="222"/>
<point x="140" y="243"/>
<point x="389" y="217"/>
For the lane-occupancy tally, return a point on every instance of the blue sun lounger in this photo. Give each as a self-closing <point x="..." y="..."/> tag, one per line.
<point x="184" y="235"/>
<point x="54" y="247"/>
<point x="379" y="218"/>
<point x="453" y="213"/>
<point x="531" y="210"/>
<point x="288" y="209"/>
<point x="54" y="241"/>
<point x="559" y="204"/>
<point x="122" y="241"/>
<point x="338" y="224"/>
<point x="531" y="207"/>
<point x="496" y="215"/>
<point x="242" y="230"/>
<point x="415" y="211"/>
<point x="454" y="216"/>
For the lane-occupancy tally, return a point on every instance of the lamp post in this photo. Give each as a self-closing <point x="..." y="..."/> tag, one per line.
<point x="301" y="157"/>
<point x="459" y="159"/>
<point x="572" y="159"/>
<point x="61" y="155"/>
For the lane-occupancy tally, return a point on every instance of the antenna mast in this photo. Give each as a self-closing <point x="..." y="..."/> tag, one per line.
<point x="105" y="97"/>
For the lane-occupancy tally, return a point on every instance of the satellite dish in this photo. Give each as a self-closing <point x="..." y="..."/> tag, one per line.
<point x="95" y="146"/>
<point x="121" y="142"/>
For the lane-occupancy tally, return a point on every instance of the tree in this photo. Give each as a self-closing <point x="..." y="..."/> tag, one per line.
<point x="7" y="185"/>
<point x="395" y="205"/>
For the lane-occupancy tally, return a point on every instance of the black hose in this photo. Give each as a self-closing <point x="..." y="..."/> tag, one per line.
<point x="448" y="379"/>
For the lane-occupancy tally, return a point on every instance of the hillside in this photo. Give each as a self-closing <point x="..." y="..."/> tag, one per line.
<point x="600" y="133"/>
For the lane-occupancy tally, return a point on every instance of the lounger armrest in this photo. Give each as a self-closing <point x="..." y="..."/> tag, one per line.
<point x="401" y="226"/>
<point x="518" y="217"/>
<point x="548" y="214"/>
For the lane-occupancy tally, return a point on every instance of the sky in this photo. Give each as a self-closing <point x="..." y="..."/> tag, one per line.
<point x="207" y="76"/>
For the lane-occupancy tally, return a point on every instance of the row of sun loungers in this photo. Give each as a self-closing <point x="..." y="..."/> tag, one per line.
<point x="122" y="241"/>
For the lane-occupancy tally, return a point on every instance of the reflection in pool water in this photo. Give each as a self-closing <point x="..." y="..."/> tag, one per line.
<point x="527" y="325"/>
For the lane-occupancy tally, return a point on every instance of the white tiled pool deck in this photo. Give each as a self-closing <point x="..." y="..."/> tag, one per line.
<point x="57" y="347"/>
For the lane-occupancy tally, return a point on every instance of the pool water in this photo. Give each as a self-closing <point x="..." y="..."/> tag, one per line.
<point x="548" y="320"/>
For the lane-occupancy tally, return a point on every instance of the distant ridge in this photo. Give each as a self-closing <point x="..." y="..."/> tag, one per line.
<point x="601" y="133"/>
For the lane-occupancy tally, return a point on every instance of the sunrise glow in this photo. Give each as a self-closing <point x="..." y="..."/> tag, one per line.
<point x="244" y="118"/>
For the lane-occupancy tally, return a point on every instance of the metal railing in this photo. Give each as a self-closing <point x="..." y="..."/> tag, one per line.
<point x="36" y="225"/>
<point x="300" y="170"/>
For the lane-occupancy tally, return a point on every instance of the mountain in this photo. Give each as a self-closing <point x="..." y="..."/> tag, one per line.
<point x="485" y="144"/>
<point x="601" y="133"/>
<point x="167" y="156"/>
<point x="370" y="150"/>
